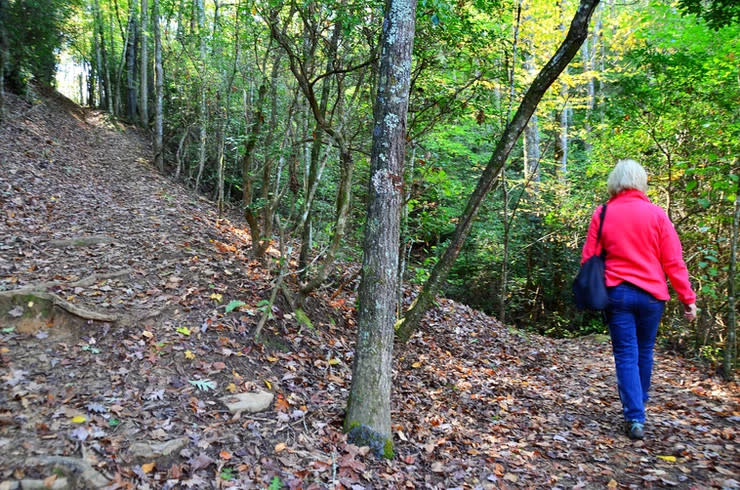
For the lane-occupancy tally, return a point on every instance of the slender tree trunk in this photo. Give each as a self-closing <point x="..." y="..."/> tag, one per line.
<point x="180" y="33"/>
<point x="202" y="116"/>
<point x="178" y="153"/>
<point x="92" y="81"/>
<point x="368" y="419"/>
<point x="344" y="193"/>
<point x="531" y="137"/>
<point x="313" y="173"/>
<point x="547" y="75"/>
<point x="221" y="138"/>
<point x="159" y="84"/>
<point x="131" y="96"/>
<point x="405" y="244"/>
<point x="144" y="70"/>
<point x="98" y="71"/>
<point x="730" y="354"/>
<point x="248" y="160"/>
<point x="3" y="54"/>
<point x="565" y="95"/>
<point x="588" y="53"/>
<point x="104" y="69"/>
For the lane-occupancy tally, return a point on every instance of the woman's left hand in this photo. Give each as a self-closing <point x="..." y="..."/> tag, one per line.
<point x="689" y="311"/>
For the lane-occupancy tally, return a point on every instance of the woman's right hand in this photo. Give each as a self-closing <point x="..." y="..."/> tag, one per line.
<point x="689" y="311"/>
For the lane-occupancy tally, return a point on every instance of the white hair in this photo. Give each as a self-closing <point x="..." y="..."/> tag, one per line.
<point x="627" y="174"/>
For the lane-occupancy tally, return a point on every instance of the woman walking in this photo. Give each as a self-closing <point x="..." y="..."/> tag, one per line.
<point x="642" y="248"/>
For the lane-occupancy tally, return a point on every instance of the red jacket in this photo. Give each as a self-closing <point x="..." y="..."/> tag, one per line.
<point x="642" y="246"/>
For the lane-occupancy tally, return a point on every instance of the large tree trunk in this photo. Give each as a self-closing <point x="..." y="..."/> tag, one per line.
<point x="159" y="84"/>
<point x="368" y="419"/>
<point x="549" y="73"/>
<point x="144" y="70"/>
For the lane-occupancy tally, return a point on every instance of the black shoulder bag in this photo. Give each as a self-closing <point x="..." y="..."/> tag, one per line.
<point x="589" y="286"/>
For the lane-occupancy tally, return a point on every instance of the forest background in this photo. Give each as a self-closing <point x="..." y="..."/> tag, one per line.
<point x="268" y="108"/>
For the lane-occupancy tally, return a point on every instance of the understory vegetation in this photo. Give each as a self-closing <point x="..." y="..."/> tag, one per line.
<point x="266" y="107"/>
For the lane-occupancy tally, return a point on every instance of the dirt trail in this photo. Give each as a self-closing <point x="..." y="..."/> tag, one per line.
<point x="476" y="404"/>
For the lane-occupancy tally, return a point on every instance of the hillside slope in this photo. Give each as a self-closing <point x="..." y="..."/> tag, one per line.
<point x="133" y="400"/>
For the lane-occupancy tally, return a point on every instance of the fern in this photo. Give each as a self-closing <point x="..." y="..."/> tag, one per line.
<point x="203" y="384"/>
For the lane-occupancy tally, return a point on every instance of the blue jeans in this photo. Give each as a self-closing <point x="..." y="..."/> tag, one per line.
<point x="633" y="316"/>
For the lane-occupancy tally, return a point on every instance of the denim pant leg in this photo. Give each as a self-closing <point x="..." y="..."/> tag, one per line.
<point x="647" y="320"/>
<point x="634" y="316"/>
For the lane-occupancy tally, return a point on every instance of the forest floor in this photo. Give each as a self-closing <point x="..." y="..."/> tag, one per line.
<point x="134" y="399"/>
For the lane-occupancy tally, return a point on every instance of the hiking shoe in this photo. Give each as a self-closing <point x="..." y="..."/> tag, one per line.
<point x="634" y="429"/>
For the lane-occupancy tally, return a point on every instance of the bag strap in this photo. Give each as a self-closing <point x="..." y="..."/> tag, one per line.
<point x="601" y="225"/>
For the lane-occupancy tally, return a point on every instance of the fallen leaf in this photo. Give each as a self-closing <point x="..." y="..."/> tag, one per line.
<point x="416" y="365"/>
<point x="612" y="483"/>
<point x="147" y="468"/>
<point x="224" y="455"/>
<point x="231" y="388"/>
<point x="183" y="330"/>
<point x="80" y="419"/>
<point x="49" y="481"/>
<point x="217" y="297"/>
<point x="189" y="355"/>
<point x="511" y="477"/>
<point x="281" y="404"/>
<point x="280" y="447"/>
<point x="670" y="459"/>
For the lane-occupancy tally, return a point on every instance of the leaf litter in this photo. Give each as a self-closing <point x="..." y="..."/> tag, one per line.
<point x="475" y="404"/>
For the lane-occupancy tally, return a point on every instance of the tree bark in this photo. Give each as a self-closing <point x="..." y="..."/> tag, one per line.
<point x="159" y="84"/>
<point x="202" y="116"/>
<point x="368" y="419"/>
<point x="105" y="58"/>
<point x="3" y="54"/>
<point x="98" y="70"/>
<point x="730" y="354"/>
<point x="144" y="70"/>
<point x="531" y="137"/>
<point x="338" y="134"/>
<point x="313" y="171"/>
<point x="565" y="109"/>
<point x="547" y="75"/>
<point x="131" y="66"/>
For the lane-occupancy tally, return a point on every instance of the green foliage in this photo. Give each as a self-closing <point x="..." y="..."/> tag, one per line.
<point x="35" y="30"/>
<point x="233" y="305"/>
<point x="227" y="474"/>
<point x="716" y="13"/>
<point x="275" y="484"/>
